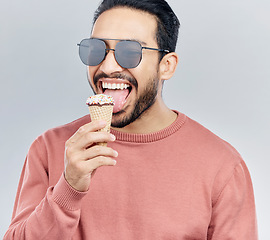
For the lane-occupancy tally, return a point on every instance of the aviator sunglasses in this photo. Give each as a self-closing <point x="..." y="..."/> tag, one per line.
<point x="128" y="53"/>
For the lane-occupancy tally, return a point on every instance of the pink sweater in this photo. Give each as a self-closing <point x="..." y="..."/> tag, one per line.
<point x="182" y="182"/>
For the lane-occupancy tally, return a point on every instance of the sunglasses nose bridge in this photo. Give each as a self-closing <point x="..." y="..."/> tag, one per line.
<point x="109" y="64"/>
<point x="107" y="52"/>
<point x="109" y="49"/>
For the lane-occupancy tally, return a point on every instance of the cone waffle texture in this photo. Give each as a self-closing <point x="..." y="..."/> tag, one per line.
<point x="102" y="112"/>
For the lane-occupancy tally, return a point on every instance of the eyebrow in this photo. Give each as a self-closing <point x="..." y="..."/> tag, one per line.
<point x="126" y="39"/>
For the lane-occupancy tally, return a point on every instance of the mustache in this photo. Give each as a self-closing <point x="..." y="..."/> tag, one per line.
<point x="131" y="80"/>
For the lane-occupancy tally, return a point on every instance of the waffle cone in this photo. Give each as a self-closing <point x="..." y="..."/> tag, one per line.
<point x="103" y="112"/>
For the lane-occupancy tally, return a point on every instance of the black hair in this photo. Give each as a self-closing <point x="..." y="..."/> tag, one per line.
<point x="167" y="22"/>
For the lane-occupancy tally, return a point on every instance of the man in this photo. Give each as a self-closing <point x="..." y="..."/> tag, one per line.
<point x="162" y="176"/>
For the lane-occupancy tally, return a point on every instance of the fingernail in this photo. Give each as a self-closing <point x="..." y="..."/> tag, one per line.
<point x="103" y="122"/>
<point x="114" y="162"/>
<point x="113" y="137"/>
<point x="115" y="154"/>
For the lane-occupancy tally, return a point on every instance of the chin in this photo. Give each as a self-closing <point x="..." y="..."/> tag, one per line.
<point x="120" y="119"/>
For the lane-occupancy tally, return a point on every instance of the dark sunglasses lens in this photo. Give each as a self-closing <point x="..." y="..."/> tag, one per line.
<point x="92" y="51"/>
<point x="128" y="54"/>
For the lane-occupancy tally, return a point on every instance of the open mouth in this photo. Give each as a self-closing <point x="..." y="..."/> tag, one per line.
<point x="118" y="89"/>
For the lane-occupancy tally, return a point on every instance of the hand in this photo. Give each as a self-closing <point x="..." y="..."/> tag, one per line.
<point x="83" y="155"/>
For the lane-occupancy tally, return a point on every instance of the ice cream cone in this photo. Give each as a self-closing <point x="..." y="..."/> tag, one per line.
<point x="101" y="111"/>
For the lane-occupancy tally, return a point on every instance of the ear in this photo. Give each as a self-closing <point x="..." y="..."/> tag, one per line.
<point x="168" y="65"/>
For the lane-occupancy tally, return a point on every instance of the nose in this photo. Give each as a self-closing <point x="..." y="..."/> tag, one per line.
<point x="109" y="64"/>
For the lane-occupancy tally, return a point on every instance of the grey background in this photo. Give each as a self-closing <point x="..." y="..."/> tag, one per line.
<point x="222" y="80"/>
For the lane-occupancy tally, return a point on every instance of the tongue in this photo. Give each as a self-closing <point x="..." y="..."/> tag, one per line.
<point x="119" y="97"/>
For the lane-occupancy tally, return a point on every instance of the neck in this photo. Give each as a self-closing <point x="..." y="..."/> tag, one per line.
<point x="154" y="119"/>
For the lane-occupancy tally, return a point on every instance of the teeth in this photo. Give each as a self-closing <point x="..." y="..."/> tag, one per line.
<point x="104" y="85"/>
<point x="115" y="85"/>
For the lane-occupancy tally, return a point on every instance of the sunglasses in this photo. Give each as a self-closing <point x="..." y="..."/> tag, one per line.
<point x="128" y="53"/>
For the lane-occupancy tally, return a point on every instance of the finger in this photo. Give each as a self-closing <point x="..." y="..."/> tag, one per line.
<point x="89" y="127"/>
<point x="97" y="162"/>
<point x="97" y="151"/>
<point x="90" y="138"/>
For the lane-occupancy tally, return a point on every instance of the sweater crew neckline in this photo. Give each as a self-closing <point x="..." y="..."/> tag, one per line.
<point x="151" y="137"/>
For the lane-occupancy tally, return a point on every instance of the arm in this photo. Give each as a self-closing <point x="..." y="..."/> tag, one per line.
<point x="40" y="211"/>
<point x="43" y="212"/>
<point x="233" y="215"/>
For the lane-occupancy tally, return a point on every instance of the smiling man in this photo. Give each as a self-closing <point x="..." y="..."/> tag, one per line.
<point x="120" y="29"/>
<point x="162" y="175"/>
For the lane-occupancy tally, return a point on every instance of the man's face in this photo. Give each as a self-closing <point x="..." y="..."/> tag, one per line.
<point x="142" y="82"/>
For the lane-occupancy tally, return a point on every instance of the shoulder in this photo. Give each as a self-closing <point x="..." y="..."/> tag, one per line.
<point x="51" y="144"/>
<point x="219" y="157"/>
<point x="208" y="152"/>
<point x="63" y="132"/>
<point x="209" y="143"/>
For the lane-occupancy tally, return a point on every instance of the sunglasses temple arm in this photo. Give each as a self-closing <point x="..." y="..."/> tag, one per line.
<point x="81" y="45"/>
<point x="156" y="49"/>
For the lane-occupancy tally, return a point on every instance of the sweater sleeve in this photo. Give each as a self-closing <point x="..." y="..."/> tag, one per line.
<point x="42" y="211"/>
<point x="233" y="213"/>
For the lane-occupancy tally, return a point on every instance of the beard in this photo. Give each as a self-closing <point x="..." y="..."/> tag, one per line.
<point x="143" y="102"/>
